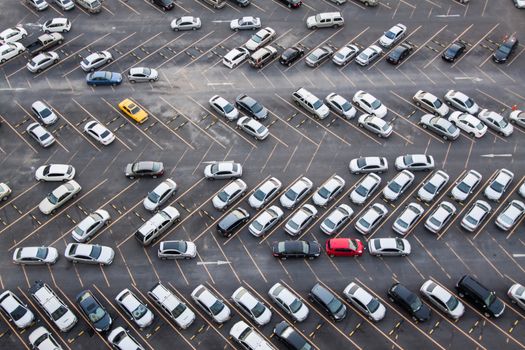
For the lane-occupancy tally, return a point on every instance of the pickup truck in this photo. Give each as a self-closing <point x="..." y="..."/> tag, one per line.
<point x="44" y="42"/>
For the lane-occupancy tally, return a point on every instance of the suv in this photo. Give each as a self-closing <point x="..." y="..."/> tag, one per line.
<point x="233" y="221"/>
<point x="262" y="56"/>
<point x="311" y="103"/>
<point x="55" y="308"/>
<point x="172" y="306"/>
<point x="325" y="20"/>
<point x="156" y="225"/>
<point x="328" y="301"/>
<point x="484" y="299"/>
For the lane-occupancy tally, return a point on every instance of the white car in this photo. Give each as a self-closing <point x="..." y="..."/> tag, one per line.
<point x="345" y="54"/>
<point x="365" y="188"/>
<point x="476" y="215"/>
<point x="389" y="247"/>
<point x="40" y="134"/>
<point x="99" y="132"/>
<point x="246" y="22"/>
<point x="337" y="219"/>
<point x="10" y="50"/>
<point x="96" y="60"/>
<point x="65" y="5"/>
<point x="53" y="306"/>
<point x="253" y="128"/>
<point x="265" y="221"/>
<point x="229" y="194"/>
<point x="5" y="191"/>
<point x="440" y="217"/>
<point x="516" y="294"/>
<point x="408" y="218"/>
<point x="497" y="187"/>
<point x="235" y="57"/>
<point x="371" y="218"/>
<point x="177" y="250"/>
<point x="142" y="75"/>
<point x="223" y="170"/>
<point x="369" y="104"/>
<point x="521" y="190"/>
<point x="368" y="55"/>
<point x="90" y="225"/>
<point x="430" y="103"/>
<point x="300" y="220"/>
<point x="160" y="194"/>
<point x="259" y="39"/>
<point x="328" y="191"/>
<point x="415" y="162"/>
<point x="89" y="253"/>
<point x="364" y="302"/>
<point x="42" y="61"/>
<point x="135" y="309"/>
<point x="120" y="339"/>
<point x="296" y="192"/>
<point x="263" y="194"/>
<point x="59" y="196"/>
<point x="462" y="102"/>
<point x="16" y="310"/>
<point x="340" y="105"/>
<point x="433" y="186"/>
<point x="496" y="122"/>
<point x="393" y="35"/>
<point x="517" y="117"/>
<point x="172" y="306"/>
<point x="251" y="306"/>
<point x="42" y="339"/>
<point x="368" y="165"/>
<point x="375" y="125"/>
<point x="224" y="108"/>
<point x="44" y="112"/>
<point x="39" y="5"/>
<point x="186" y="23"/>
<point x="288" y="302"/>
<point x="249" y="338"/>
<point x="510" y="216"/>
<point x="57" y="25"/>
<point x="398" y="185"/>
<point x="35" y="255"/>
<point x="212" y="305"/>
<point x="55" y="172"/>
<point x="442" y="299"/>
<point x="13" y="34"/>
<point x="466" y="185"/>
<point x="468" y="123"/>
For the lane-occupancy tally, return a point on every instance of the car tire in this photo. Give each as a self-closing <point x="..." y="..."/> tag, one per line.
<point x="194" y="28"/>
<point x="5" y="198"/>
<point x="391" y="299"/>
<point x="331" y="255"/>
<point x="461" y="295"/>
<point x="418" y="104"/>
<point x="361" y="125"/>
<point x="60" y="42"/>
<point x="154" y="176"/>
<point x="131" y="177"/>
<point x="39" y="70"/>
<point x="313" y="27"/>
<point x="445" y="137"/>
<point x="176" y="29"/>
<point x="2" y="60"/>
<point x="471" y="134"/>
<point x="283" y="258"/>
<point x="367" y="4"/>
<point x="424" y="126"/>
<point x="24" y="36"/>
<point x="380" y="136"/>
<point x="132" y="81"/>
<point x="152" y="80"/>
<point x="109" y="60"/>
<point x="414" y="318"/>
<point x="92" y="69"/>
<point x="487" y="315"/>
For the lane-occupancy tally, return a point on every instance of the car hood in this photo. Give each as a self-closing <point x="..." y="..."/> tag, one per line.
<point x="301" y="314"/>
<point x="129" y="169"/>
<point x="186" y="318"/>
<point x="66" y="321"/>
<point x="357" y="198"/>
<point x="45" y="206"/>
<point x="423" y="314"/>
<point x="104" y="323"/>
<point x="25" y="320"/>
<point x="497" y="307"/>
<point x="106" y="255"/>
<point x="310" y="21"/>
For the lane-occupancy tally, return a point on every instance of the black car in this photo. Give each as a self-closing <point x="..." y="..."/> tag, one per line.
<point x="290" y="337"/>
<point x="502" y="54"/>
<point x="241" y="3"/>
<point x="94" y="311"/>
<point x="410" y="302"/>
<point x="322" y="296"/>
<point x="145" y="168"/>
<point x="296" y="249"/>
<point x="399" y="53"/>
<point x="292" y="3"/>
<point x="166" y="5"/>
<point x="231" y="222"/>
<point x="290" y="55"/>
<point x="251" y="107"/>
<point x="479" y="295"/>
<point x="454" y="51"/>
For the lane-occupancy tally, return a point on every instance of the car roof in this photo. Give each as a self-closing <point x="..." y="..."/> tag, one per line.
<point x="339" y="242"/>
<point x="204" y="295"/>
<point x="26" y="252"/>
<point x="130" y="300"/>
<point x="387" y="243"/>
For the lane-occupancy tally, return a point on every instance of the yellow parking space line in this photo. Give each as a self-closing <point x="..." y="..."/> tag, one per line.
<point x="12" y="128"/>
<point x="446" y="47"/>
<point x="13" y="330"/>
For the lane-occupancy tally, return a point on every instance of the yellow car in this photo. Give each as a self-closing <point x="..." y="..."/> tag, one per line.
<point x="133" y="111"/>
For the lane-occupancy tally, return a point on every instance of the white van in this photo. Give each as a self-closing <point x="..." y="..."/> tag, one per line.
<point x="325" y="20"/>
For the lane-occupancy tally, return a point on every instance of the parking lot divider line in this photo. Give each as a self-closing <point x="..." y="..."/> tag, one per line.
<point x="129" y="7"/>
<point x="475" y="45"/>
<point x="12" y="128"/>
<point x="422" y="46"/>
<point x="446" y="47"/>
<point x="253" y="260"/>
<point x="133" y="282"/>
<point x="293" y="128"/>
<point x="19" y="195"/>
<point x="14" y="331"/>
<point x="508" y="255"/>
<point x="193" y="43"/>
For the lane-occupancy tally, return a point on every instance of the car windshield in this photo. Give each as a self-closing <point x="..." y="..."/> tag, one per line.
<point x="153" y="197"/>
<point x="471" y="220"/>
<point x="346" y="106"/>
<point x="95" y="251"/>
<point x="146" y="71"/>
<point x="107" y="75"/>
<point x="394" y="186"/>
<point x="506" y="219"/>
<point x="452" y="303"/>
<point x="45" y="113"/>
<point x="438" y="103"/>
<point x="362" y="190"/>
<point x="261" y="129"/>
<point x="396" y="53"/>
<point x="313" y="56"/>
<point x="435" y="221"/>
<point x="402" y="223"/>
<point x="451" y="129"/>
<point x="139" y="311"/>
<point x="104" y="134"/>
<point x="323" y="192"/>
<point x="364" y="223"/>
<point x="293" y="224"/>
<point x="490" y="298"/>
<point x="469" y="103"/>
<point x="415" y="303"/>
<point x="429" y="187"/>
<point x="373" y="305"/>
<point x="463" y="187"/>
<point x="217" y="307"/>
<point x="479" y="126"/>
<point x="361" y="162"/>
<point x="58" y="313"/>
<point x="258" y="309"/>
<point x="390" y="35"/>
<point x="329" y="223"/>
<point x="335" y="305"/>
<point x="291" y="195"/>
<point x="497" y="186"/>
<point x="399" y="244"/>
<point x="223" y="196"/>
<point x="504" y="49"/>
<point x="256" y="107"/>
<point x="41" y="253"/>
<point x="376" y="104"/>
<point x="134" y="109"/>
<point x="257" y="225"/>
<point x="256" y="38"/>
<point x="228" y="108"/>
<point x="18" y="313"/>
<point x="259" y="195"/>
<point x="318" y="104"/>
<point x="52" y="198"/>
<point x="178" y="310"/>
<point x="340" y="56"/>
<point x="296" y="305"/>
<point x="352" y="245"/>
<point x="97" y="315"/>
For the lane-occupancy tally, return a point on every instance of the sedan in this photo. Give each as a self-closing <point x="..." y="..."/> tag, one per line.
<point x="5" y="191"/>
<point x="120" y="339"/>
<point x="35" y="255"/>
<point x="505" y="49"/>
<point x="253" y="128"/>
<point x="399" y="53"/>
<point x="393" y="35"/>
<point x="440" y="217"/>
<point x="55" y="172"/>
<point x="365" y="188"/>
<point x="229" y="194"/>
<point x="340" y="105"/>
<point x="433" y="186"/>
<point x="371" y="218"/>
<point x="441" y="126"/>
<point x="517" y="117"/>
<point x="497" y="187"/>
<point x="89" y="253"/>
<point x="496" y="122"/>
<point x="102" y="77"/>
<point x="296" y="249"/>
<point x="398" y="185"/>
<point x="134" y="308"/>
<point x="90" y="225"/>
<point x="133" y="111"/>
<point x="408" y="218"/>
<point x="468" y="123"/>
<point x="165" y="5"/>
<point x="466" y="185"/>
<point x="389" y="247"/>
<point x="40" y="134"/>
<point x="99" y="132"/>
<point x="368" y="165"/>
<point x="369" y="55"/>
<point x="454" y="51"/>
<point x="265" y="221"/>
<point x="328" y="301"/>
<point x="44" y="112"/>
<point x="144" y="168"/>
<point x="177" y="250"/>
<point x="300" y="220"/>
<point x="210" y="304"/>
<point x="142" y="75"/>
<point x="337" y="219"/>
<point x="41" y="338"/>
<point x="345" y="54"/>
<point x="263" y="194"/>
<point x="244" y="23"/>
<point x="65" y="5"/>
<point x="375" y="125"/>
<point x="94" y="311"/>
<point x="430" y="103"/>
<point x="251" y="106"/>
<point x="462" y="102"/>
<point x="476" y="215"/>
<point x="296" y="192"/>
<point x="235" y="57"/>
<point x="318" y="56"/>
<point x="288" y="302"/>
<point x="10" y="50"/>
<point x="16" y="310"/>
<point x="415" y="162"/>
<point x="516" y="294"/>
<point x="364" y="302"/>
<point x="186" y="23"/>
<point x="511" y="215"/>
<point x="251" y="306"/>
<point x="409" y="301"/>
<point x="160" y="194"/>
<point x="369" y="104"/>
<point x="328" y="191"/>
<point x="290" y="55"/>
<point x="259" y="39"/>
<point x="223" y="170"/>
<point x="287" y="334"/>
<point x="344" y="247"/>
<point x="59" y="196"/>
<point x="442" y="299"/>
<point x="13" y="34"/>
<point x="96" y="60"/>
<point x="42" y="61"/>
<point x="223" y="107"/>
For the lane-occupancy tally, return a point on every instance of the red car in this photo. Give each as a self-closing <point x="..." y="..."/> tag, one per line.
<point x="344" y="247"/>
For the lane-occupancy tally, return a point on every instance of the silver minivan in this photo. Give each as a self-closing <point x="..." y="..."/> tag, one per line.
<point x="325" y="20"/>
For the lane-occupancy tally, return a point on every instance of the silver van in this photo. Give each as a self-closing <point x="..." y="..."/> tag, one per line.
<point x="91" y="6"/>
<point x="325" y="20"/>
<point x="311" y="103"/>
<point x="156" y="225"/>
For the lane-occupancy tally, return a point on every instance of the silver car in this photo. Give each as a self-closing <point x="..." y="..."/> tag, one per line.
<point x="368" y="165"/>
<point x="364" y="302"/>
<point x="41" y="338"/>
<point x="430" y="103"/>
<point x="59" y="196"/>
<point x="96" y="60"/>
<point x="345" y="54"/>
<point x="65" y="5"/>
<point x="462" y="102"/>
<point x="44" y="112"/>
<point x="253" y="128"/>
<point x="318" y="56"/>
<point x="142" y="75"/>
<point x="497" y="187"/>
<point x="517" y="117"/>
<point x="265" y="221"/>
<point x="440" y="217"/>
<point x="172" y="306"/>
<point x="40" y="134"/>
<point x="160" y="194"/>
<point x="442" y="299"/>
<point x="300" y="220"/>
<point x="42" y="61"/>
<point x="212" y="305"/>
<point x="120" y="339"/>
<point x="375" y="125"/>
<point x="288" y="302"/>
<point x="328" y="191"/>
<point x="466" y="185"/>
<point x="476" y="215"/>
<point x="516" y="294"/>
<point x="245" y="23"/>
<point x="89" y="253"/>
<point x="365" y="189"/>
<point x="263" y="194"/>
<point x="389" y="247"/>
<point x="433" y="186"/>
<point x="369" y="104"/>
<point x="229" y="194"/>
<point x="88" y="227"/>
<point x="369" y="55"/>
<point x="296" y="192"/>
<point x="222" y="170"/>
<point x="35" y="255"/>
<point x="398" y="185"/>
<point x="337" y="219"/>
<point x="340" y="105"/>
<point x="251" y="306"/>
<point x="177" y="250"/>
<point x="393" y="35"/>
<point x="186" y="23"/>
<point x="5" y="191"/>
<point x="259" y="39"/>
<point x="224" y="108"/>
<point x="371" y="218"/>
<point x="510" y="216"/>
<point x="415" y="162"/>
<point x="408" y="218"/>
<point x="496" y="122"/>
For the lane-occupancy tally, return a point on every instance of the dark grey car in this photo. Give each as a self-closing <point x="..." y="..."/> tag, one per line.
<point x="440" y="126"/>
<point x="328" y="301"/>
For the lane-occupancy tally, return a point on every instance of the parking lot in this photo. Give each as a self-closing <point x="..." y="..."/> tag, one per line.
<point x="184" y="133"/>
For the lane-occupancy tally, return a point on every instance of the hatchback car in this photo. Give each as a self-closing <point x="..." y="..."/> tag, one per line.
<point x="223" y="170"/>
<point x="368" y="165"/>
<point x="430" y="103"/>
<point x="253" y="128"/>
<point x="375" y="125"/>
<point x="365" y="188"/>
<point x="496" y="122"/>
<point x="300" y="220"/>
<point x="186" y="23"/>
<point x="340" y="105"/>
<point x="259" y="39"/>
<point x="42" y="339"/>
<point x="235" y="57"/>
<point x="345" y="54"/>
<point x="415" y="162"/>
<point x="336" y="219"/>
<point x="99" y="132"/>
<point x="517" y="117"/>
<point x="120" y="339"/>
<point x="369" y="104"/>
<point x="40" y="134"/>
<point x="229" y="194"/>
<point x="398" y="185"/>
<point x="232" y="222"/>
<point x="454" y="51"/>
<point x="10" y="50"/>
<point x="318" y="56"/>
<point x="103" y="78"/>
<point x="476" y="215"/>
<point x="133" y="111"/>
<point x="210" y="304"/>
<point x="442" y="299"/>
<point x="134" y="308"/>
<point x="42" y="61"/>
<point x="144" y="168"/>
<point x="90" y="225"/>
<point x="439" y="218"/>
<point x="59" y="196"/>
<point x="296" y="192"/>
<point x="172" y="306"/>
<point x="223" y="107"/>
<point x="328" y="301"/>
<point x="290" y="55"/>
<point x="371" y="218"/>
<point x="96" y="60"/>
<point x="251" y="306"/>
<point x="160" y="194"/>
<point x="389" y="247"/>
<point x="344" y="247"/>
<point x="511" y="215"/>
<point x="409" y="301"/>
<point x="16" y="310"/>
<point x="251" y="106"/>
<point x="89" y="253"/>
<point x="296" y="249"/>
<point x="468" y="123"/>
<point x="266" y="221"/>
<point x="364" y="302"/>
<point x="263" y="194"/>
<point x="497" y="187"/>
<point x="408" y="218"/>
<point x="439" y="125"/>
<point x="328" y="191"/>
<point x="246" y="22"/>
<point x="516" y="293"/>
<point x="398" y="54"/>
<point x="177" y="250"/>
<point x="505" y="49"/>
<point x="13" y="34"/>
<point x="462" y="102"/>
<point x="288" y="302"/>
<point x="94" y="311"/>
<point x="55" y="172"/>
<point x="466" y="186"/>
<point x="35" y="255"/>
<point x="369" y="55"/>
<point x="142" y="75"/>
<point x="393" y="35"/>
<point x="44" y="113"/>
<point x="288" y="335"/>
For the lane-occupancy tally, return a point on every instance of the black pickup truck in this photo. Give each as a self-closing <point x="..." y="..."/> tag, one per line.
<point x="43" y="42"/>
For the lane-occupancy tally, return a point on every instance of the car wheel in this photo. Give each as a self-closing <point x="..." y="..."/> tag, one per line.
<point x="513" y="301"/>
<point x="60" y="42"/>
<point x="379" y="135"/>
<point x="418" y="104"/>
<point x="2" y="60"/>
<point x="361" y="125"/>
<point x="331" y="255"/>
<point x="24" y="36"/>
<point x="414" y="318"/>
<point x="46" y="31"/>
<point x="391" y="299"/>
<point x="335" y="25"/>
<point x="424" y="126"/>
<point x="445" y="137"/>
<point x="154" y="176"/>
<point x="194" y="28"/>
<point x="236" y="29"/>
<point x="132" y="81"/>
<point x="379" y="255"/>
<point x="310" y="258"/>
<point x="152" y="80"/>
<point x="403" y="255"/>
<point x="109" y="60"/>
<point x="283" y="258"/>
<point x="92" y="70"/>
<point x="176" y="29"/>
<point x="131" y="177"/>
<point x="39" y="70"/>
<point x="367" y="4"/>
<point x="471" y="134"/>
<point x="5" y="198"/>
<point x="486" y="314"/>
<point x="461" y="295"/>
